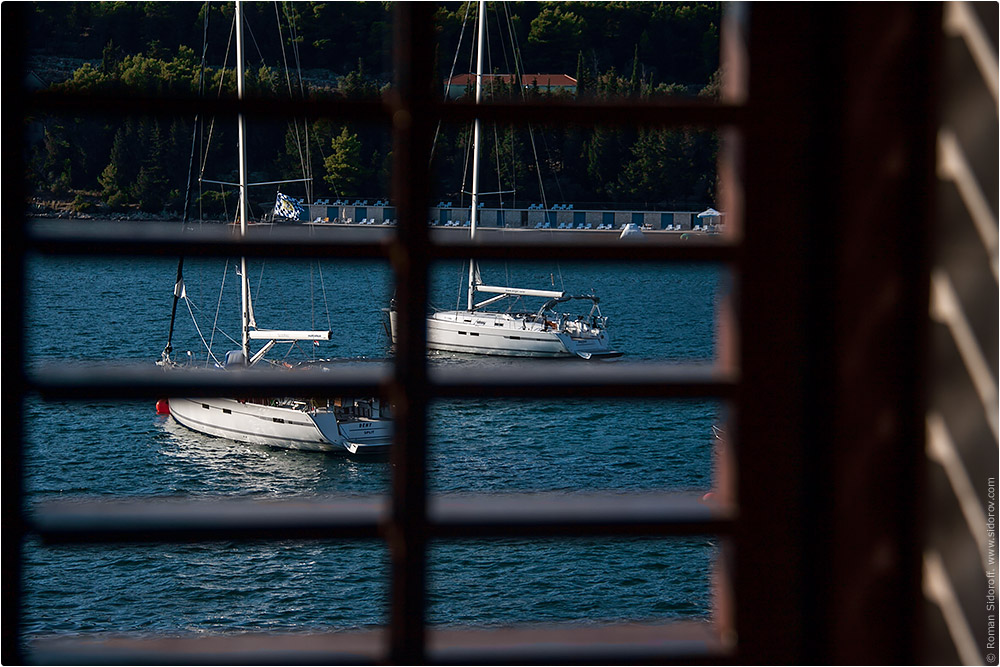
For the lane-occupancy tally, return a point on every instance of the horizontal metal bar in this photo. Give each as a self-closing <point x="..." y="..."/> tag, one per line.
<point x="176" y="520"/>
<point x="560" y="112"/>
<point x="547" y="378"/>
<point x="667" y="111"/>
<point x="205" y="180"/>
<point x="55" y="381"/>
<point x="287" y="180"/>
<point x="536" y="378"/>
<point x="684" y="642"/>
<point x="451" y="516"/>
<point x="205" y="240"/>
<point x="575" y="514"/>
<point x="328" y="648"/>
<point x="113" y="105"/>
<point x="303" y="241"/>
<point x="541" y="245"/>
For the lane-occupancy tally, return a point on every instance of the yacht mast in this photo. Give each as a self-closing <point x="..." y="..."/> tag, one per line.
<point x="241" y="121"/>
<point x="475" y="151"/>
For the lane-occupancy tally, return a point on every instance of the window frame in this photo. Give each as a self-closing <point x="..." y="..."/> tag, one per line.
<point x="788" y="350"/>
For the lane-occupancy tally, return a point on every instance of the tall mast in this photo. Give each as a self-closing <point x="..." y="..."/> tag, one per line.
<point x="475" y="149"/>
<point x="241" y="121"/>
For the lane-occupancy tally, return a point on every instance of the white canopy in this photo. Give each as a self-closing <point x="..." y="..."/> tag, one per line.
<point x="709" y="213"/>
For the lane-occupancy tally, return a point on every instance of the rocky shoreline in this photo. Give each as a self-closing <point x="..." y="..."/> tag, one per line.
<point x="67" y="210"/>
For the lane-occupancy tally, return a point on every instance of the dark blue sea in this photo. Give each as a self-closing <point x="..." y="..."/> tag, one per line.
<point x="119" y="310"/>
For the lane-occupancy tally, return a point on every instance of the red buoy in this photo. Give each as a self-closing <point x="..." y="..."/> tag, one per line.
<point x="162" y="407"/>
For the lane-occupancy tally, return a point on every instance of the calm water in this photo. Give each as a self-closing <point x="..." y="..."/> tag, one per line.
<point x="100" y="310"/>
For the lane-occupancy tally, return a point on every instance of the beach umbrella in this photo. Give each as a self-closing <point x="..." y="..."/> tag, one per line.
<point x="709" y="213"/>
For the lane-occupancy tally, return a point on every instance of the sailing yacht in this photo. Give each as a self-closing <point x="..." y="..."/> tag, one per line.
<point x="340" y="424"/>
<point x="544" y="332"/>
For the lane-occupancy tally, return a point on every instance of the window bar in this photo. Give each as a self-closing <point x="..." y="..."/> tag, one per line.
<point x="407" y="530"/>
<point x="15" y="50"/>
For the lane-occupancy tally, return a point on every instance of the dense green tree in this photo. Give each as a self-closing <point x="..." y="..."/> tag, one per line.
<point x="151" y="187"/>
<point x="136" y="173"/>
<point x="615" y="50"/>
<point x="53" y="161"/>
<point x="555" y="32"/>
<point x="356" y="84"/>
<point x="344" y="170"/>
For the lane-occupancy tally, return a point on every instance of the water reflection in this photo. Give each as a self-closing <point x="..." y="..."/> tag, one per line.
<point x="198" y="463"/>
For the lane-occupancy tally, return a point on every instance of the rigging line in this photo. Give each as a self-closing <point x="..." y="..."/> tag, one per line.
<point x="515" y="80"/>
<point x="548" y="154"/>
<point x="326" y="305"/>
<point x="461" y="285"/>
<point x="210" y="356"/>
<point x="451" y="74"/>
<point x="253" y="38"/>
<point x="496" y="150"/>
<point x="312" y="307"/>
<point x="179" y="282"/>
<point x="468" y="144"/>
<point x="465" y="166"/>
<point x="496" y="139"/>
<point x="538" y="172"/>
<point x="503" y="43"/>
<point x="492" y="93"/>
<point x="519" y="71"/>
<point x="513" y="165"/>
<point x="206" y="143"/>
<point x="197" y="116"/>
<point x="225" y="203"/>
<point x="519" y="66"/>
<point x="260" y="280"/>
<point x="291" y="94"/>
<point x="218" y="308"/>
<point x="293" y="30"/>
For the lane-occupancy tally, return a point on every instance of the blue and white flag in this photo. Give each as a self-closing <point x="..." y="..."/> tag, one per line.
<point x="286" y="207"/>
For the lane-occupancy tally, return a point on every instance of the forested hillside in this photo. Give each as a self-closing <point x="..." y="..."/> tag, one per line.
<point x="343" y="49"/>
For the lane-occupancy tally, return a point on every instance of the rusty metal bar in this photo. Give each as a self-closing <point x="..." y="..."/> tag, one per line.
<point x="674" y="111"/>
<point x="450" y="516"/>
<point x="376" y="243"/>
<point x="832" y="330"/>
<point x="407" y="529"/>
<point x="773" y="446"/>
<point x="883" y="145"/>
<point x="15" y="192"/>
<point x="534" y="379"/>
<point x="185" y="520"/>
<point x="612" y="643"/>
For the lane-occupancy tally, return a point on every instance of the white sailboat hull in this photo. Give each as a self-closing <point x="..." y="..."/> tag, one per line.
<point x="476" y="331"/>
<point x="505" y="334"/>
<point x="318" y="430"/>
<point x="338" y="425"/>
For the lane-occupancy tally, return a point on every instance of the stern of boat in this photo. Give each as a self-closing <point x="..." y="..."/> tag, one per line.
<point x="589" y="347"/>
<point x="355" y="435"/>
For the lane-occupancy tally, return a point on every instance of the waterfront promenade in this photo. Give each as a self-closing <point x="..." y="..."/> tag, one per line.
<point x="559" y="217"/>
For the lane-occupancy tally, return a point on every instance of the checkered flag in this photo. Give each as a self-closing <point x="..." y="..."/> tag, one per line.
<point x="286" y="207"/>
